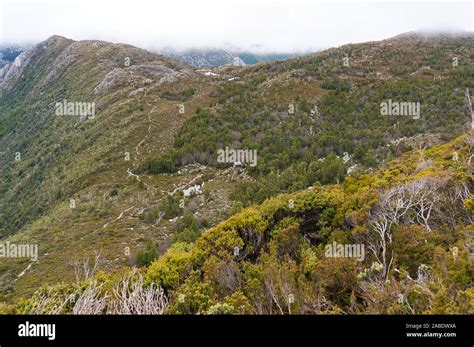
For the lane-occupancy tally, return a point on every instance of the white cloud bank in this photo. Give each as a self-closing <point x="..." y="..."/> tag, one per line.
<point x="256" y="25"/>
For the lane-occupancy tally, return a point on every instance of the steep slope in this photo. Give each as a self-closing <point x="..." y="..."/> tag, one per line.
<point x="117" y="183"/>
<point x="66" y="180"/>
<point x="58" y="70"/>
<point x="8" y="53"/>
<point x="412" y="222"/>
<point x="314" y="118"/>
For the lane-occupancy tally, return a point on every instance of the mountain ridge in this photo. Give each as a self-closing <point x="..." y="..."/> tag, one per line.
<point x="118" y="202"/>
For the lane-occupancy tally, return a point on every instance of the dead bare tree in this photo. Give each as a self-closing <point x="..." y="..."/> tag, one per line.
<point x="131" y="296"/>
<point x="392" y="205"/>
<point x="410" y="202"/>
<point x="228" y="275"/>
<point x="421" y="150"/>
<point x="83" y="269"/>
<point x="426" y="194"/>
<point x="280" y="287"/>
<point x="271" y="290"/>
<point x="90" y="301"/>
<point x="462" y="192"/>
<point x="469" y="107"/>
<point x="379" y="245"/>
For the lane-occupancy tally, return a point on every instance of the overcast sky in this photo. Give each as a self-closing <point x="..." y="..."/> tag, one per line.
<point x="255" y="25"/>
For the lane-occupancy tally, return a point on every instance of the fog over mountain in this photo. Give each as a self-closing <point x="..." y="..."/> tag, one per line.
<point x="257" y="26"/>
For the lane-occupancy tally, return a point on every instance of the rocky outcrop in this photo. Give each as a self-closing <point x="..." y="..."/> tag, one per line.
<point x="12" y="72"/>
<point x="151" y="72"/>
<point x="144" y="67"/>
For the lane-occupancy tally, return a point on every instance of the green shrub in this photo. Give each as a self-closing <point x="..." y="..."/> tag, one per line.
<point x="146" y="257"/>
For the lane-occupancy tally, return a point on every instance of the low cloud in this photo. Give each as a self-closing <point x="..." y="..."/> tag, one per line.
<point x="259" y="26"/>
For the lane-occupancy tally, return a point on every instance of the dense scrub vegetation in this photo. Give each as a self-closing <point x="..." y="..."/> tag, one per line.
<point x="301" y="139"/>
<point x="271" y="259"/>
<point x="321" y="177"/>
<point x="60" y="155"/>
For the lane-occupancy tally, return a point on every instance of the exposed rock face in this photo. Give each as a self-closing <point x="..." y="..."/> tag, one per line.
<point x="147" y="72"/>
<point x="11" y="72"/>
<point x="9" y="52"/>
<point x="72" y="53"/>
<point x="105" y="58"/>
<point x="238" y="62"/>
<point x="113" y="79"/>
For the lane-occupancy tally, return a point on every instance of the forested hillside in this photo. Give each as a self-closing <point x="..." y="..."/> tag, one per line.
<point x="304" y="115"/>
<point x="413" y="215"/>
<point x="136" y="197"/>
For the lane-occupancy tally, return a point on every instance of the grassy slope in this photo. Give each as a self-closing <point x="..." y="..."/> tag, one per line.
<point x="65" y="159"/>
<point x="88" y="157"/>
<point x="281" y="249"/>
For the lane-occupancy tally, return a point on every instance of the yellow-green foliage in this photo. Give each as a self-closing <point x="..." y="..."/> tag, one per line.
<point x="58" y="299"/>
<point x="194" y="296"/>
<point x="270" y="258"/>
<point x="469" y="204"/>
<point x="171" y="269"/>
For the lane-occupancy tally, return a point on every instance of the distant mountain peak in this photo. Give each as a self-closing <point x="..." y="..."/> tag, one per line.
<point x="205" y="58"/>
<point x="238" y="62"/>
